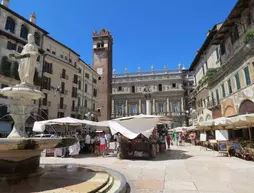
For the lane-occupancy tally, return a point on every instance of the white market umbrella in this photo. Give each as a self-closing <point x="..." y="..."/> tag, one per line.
<point x="39" y="126"/>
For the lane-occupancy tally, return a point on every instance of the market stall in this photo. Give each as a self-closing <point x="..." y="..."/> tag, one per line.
<point x="140" y="136"/>
<point x="139" y="133"/>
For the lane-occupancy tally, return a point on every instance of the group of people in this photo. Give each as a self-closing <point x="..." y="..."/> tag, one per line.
<point x="98" y="143"/>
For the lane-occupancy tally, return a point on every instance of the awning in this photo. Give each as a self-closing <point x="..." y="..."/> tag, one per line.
<point x="39" y="126"/>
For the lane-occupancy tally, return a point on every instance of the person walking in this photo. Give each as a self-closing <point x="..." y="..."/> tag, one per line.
<point x="168" y="141"/>
<point x="103" y="144"/>
<point x="179" y="139"/>
<point x="87" y="143"/>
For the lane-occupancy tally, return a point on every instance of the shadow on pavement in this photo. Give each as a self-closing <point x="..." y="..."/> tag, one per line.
<point x="172" y="155"/>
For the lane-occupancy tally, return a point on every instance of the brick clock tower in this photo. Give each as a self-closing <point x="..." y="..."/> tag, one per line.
<point x="102" y="64"/>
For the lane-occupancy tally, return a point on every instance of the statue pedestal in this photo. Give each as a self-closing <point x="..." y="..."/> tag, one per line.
<point x="21" y="106"/>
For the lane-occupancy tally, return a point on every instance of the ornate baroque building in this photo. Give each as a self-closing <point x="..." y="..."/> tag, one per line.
<point x="169" y="93"/>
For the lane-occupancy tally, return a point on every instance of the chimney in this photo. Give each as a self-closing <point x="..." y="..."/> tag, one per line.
<point x="33" y="18"/>
<point x="5" y="3"/>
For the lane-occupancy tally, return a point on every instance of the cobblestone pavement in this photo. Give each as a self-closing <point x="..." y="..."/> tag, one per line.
<point x="184" y="169"/>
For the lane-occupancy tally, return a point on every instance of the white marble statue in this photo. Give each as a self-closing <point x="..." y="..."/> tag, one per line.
<point x="28" y="61"/>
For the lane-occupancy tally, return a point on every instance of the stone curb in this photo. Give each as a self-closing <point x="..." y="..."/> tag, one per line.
<point x="120" y="176"/>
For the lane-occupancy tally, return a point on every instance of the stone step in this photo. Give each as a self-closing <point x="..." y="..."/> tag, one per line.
<point x="108" y="186"/>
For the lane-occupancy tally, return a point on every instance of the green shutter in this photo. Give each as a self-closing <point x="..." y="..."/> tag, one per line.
<point x="238" y="84"/>
<point x="217" y="97"/>
<point x="229" y="86"/>
<point x="223" y="91"/>
<point x="247" y="75"/>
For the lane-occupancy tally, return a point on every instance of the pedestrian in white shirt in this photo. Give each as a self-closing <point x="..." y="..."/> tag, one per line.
<point x="88" y="142"/>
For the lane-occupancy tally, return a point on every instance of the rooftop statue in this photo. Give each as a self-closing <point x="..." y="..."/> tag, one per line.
<point x="28" y="59"/>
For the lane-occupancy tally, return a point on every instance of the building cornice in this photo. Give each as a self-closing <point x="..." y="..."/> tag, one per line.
<point x="22" y="18"/>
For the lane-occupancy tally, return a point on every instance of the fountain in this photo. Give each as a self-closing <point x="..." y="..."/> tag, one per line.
<point x="20" y="169"/>
<point x="20" y="155"/>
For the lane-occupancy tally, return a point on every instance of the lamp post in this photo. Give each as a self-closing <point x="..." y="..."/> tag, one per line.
<point x="147" y="94"/>
<point x="89" y="116"/>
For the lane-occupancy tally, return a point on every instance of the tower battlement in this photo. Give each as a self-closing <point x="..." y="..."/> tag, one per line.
<point x="102" y="32"/>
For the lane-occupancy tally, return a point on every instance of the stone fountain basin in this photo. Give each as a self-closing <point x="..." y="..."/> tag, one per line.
<point x="20" y="157"/>
<point x="17" y="149"/>
<point x="22" y="92"/>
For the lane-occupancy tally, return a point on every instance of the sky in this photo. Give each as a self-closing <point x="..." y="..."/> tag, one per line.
<point x="145" y="32"/>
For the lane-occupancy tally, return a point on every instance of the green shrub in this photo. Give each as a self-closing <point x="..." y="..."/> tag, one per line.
<point x="249" y="36"/>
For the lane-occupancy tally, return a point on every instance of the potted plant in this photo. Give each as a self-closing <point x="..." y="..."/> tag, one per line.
<point x="249" y="37"/>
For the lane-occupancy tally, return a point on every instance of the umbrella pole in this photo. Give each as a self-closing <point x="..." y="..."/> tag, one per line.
<point x="250" y="136"/>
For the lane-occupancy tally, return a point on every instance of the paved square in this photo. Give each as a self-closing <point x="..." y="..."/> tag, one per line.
<point x="184" y="169"/>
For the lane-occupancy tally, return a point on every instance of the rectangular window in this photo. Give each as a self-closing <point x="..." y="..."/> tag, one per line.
<point x="229" y="86"/>
<point x="217" y="53"/>
<point x="79" y="102"/>
<point x="85" y="103"/>
<point x="45" y="99"/>
<point x="20" y="49"/>
<point x="87" y="75"/>
<point x="85" y="87"/>
<point x="79" y="84"/>
<point x="47" y="67"/>
<point x="217" y="96"/>
<point x="234" y="34"/>
<point x="203" y="70"/>
<point x="133" y="89"/>
<point x="11" y="46"/>
<point x="161" y="107"/>
<point x="237" y="80"/>
<point x="61" y="102"/>
<point x="62" y="87"/>
<point x="223" y="91"/>
<point x="73" y="105"/>
<point x="160" y="87"/>
<point x="133" y="109"/>
<point x="75" y="79"/>
<point x="46" y="83"/>
<point x="94" y="81"/>
<point x="94" y="92"/>
<point x="222" y="48"/>
<point x="120" y="88"/>
<point x="247" y="76"/>
<point x="174" y="85"/>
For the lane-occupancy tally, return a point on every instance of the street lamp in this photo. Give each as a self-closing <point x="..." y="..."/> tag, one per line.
<point x="147" y="94"/>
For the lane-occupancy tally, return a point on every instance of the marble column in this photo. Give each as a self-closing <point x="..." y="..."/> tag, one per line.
<point x="154" y="110"/>
<point x="126" y="108"/>
<point x="139" y="107"/>
<point x="182" y="105"/>
<point x="113" y="108"/>
<point x="171" y="108"/>
<point x="168" y="107"/>
<point x="148" y="107"/>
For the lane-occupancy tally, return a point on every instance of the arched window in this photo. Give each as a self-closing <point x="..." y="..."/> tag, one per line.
<point x="37" y="38"/>
<point x="98" y="45"/>
<point x="24" y="32"/>
<point x="10" y="25"/>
